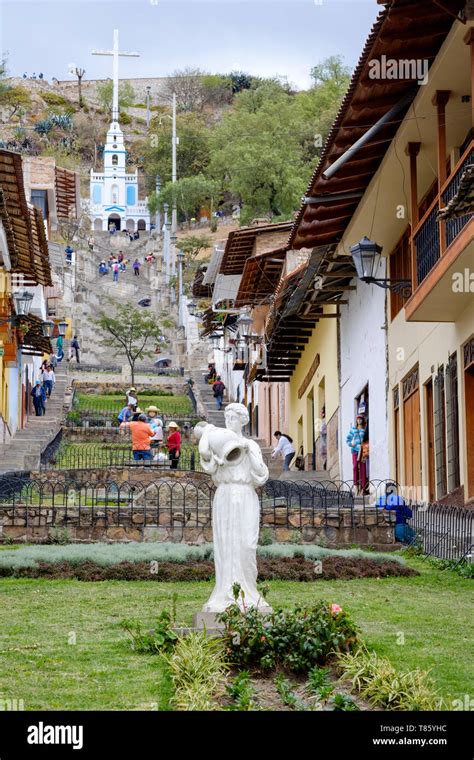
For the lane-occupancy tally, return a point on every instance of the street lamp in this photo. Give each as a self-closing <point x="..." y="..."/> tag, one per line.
<point x="47" y="328"/>
<point x="22" y="301"/>
<point x="366" y="257"/>
<point x="192" y="306"/>
<point x="62" y="327"/>
<point x="244" y="324"/>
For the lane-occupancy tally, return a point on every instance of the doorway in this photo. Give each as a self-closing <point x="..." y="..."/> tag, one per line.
<point x="430" y="438"/>
<point x="411" y="430"/>
<point x="113" y="219"/>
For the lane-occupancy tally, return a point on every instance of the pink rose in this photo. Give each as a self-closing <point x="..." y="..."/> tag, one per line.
<point x="335" y="609"/>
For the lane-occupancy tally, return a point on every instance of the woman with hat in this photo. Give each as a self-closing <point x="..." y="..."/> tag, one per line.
<point x="156" y="425"/>
<point x="136" y="414"/>
<point x="131" y="396"/>
<point x="355" y="438"/>
<point x="173" y="444"/>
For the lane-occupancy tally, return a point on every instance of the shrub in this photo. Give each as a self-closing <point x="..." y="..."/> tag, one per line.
<point x="161" y="639"/>
<point x="266" y="537"/>
<point x="242" y="692"/>
<point x="125" y="118"/>
<point x="296" y="639"/>
<point x="376" y="679"/>
<point x="198" y="672"/>
<point x="54" y="99"/>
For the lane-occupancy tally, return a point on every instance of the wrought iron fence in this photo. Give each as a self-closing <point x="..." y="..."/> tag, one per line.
<point x="454" y="226"/>
<point x="442" y="531"/>
<point x="167" y="501"/>
<point x="86" y="456"/>
<point x="427" y="245"/>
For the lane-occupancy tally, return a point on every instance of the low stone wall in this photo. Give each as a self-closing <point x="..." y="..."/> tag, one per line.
<point x="189" y="525"/>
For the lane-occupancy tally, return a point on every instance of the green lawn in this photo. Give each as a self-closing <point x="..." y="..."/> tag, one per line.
<point x="115" y="402"/>
<point x="434" y="613"/>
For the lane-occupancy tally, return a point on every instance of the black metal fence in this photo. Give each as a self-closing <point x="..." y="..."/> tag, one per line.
<point x="443" y="531"/>
<point x="167" y="500"/>
<point x="87" y="456"/>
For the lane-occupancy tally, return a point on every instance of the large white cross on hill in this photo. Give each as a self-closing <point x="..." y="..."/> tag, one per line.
<point x="115" y="53"/>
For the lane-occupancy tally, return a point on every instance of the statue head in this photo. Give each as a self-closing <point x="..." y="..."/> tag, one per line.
<point x="236" y="417"/>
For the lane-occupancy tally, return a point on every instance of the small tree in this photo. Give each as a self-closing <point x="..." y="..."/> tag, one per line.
<point x="189" y="193"/>
<point x="129" y="332"/>
<point x="126" y="95"/>
<point x="192" y="245"/>
<point x="15" y="99"/>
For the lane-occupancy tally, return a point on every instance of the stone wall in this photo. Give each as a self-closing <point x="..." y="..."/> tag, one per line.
<point x="189" y="525"/>
<point x="175" y="385"/>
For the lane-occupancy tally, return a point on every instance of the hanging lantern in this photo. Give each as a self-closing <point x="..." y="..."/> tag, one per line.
<point x="366" y="257"/>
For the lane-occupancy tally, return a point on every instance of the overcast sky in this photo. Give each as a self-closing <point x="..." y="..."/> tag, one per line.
<point x="264" y="38"/>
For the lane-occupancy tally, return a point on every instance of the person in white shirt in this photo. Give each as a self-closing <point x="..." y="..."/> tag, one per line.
<point x="285" y="448"/>
<point x="48" y="377"/>
<point x="131" y="398"/>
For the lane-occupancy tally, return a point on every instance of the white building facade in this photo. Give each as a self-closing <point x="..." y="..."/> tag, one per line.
<point x="114" y="193"/>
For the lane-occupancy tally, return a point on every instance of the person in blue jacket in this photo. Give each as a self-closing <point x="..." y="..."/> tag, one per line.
<point x="38" y="394"/>
<point x="392" y="501"/>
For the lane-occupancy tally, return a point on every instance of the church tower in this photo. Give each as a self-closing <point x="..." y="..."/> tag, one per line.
<point x="114" y="193"/>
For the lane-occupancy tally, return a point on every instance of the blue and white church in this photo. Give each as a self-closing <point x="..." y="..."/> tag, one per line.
<point x="113" y="192"/>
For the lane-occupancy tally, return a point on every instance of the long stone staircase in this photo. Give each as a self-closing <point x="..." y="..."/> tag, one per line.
<point x="23" y="451"/>
<point x="92" y="290"/>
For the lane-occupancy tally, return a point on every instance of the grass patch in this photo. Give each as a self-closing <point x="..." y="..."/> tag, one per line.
<point x="115" y="402"/>
<point x="433" y="611"/>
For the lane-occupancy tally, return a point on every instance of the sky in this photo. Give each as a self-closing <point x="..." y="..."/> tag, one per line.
<point x="262" y="37"/>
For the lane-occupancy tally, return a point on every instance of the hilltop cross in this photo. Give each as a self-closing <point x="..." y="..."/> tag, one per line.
<point x="115" y="53"/>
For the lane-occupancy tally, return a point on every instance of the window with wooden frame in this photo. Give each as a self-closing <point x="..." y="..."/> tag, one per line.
<point x="400" y="269"/>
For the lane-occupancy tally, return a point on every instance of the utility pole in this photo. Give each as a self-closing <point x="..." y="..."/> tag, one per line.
<point x="158" y="209"/>
<point x="174" y="215"/>
<point x="148" y="88"/>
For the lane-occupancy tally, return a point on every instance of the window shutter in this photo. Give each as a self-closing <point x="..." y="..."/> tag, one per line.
<point x="452" y="424"/>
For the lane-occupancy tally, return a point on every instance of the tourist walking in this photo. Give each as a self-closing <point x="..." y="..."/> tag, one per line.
<point x="285" y="448"/>
<point x="173" y="444"/>
<point x="355" y="439"/>
<point x="39" y="398"/>
<point x="218" y="389"/>
<point x="75" y="349"/>
<point x="141" y="436"/>
<point x="115" y="270"/>
<point x="49" y="379"/>
<point x="103" y="268"/>
<point x="59" y="348"/>
<point x="136" y="268"/>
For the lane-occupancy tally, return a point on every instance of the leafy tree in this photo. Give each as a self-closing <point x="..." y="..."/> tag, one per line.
<point x="192" y="151"/>
<point x="126" y="94"/>
<point x="3" y="73"/>
<point x="130" y="332"/>
<point x="192" y="245"/>
<point x="217" y="89"/>
<point x="189" y="193"/>
<point x="15" y="99"/>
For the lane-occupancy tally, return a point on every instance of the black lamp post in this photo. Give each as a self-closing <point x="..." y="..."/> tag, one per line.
<point x="192" y="308"/>
<point x="366" y="256"/>
<point x="244" y="324"/>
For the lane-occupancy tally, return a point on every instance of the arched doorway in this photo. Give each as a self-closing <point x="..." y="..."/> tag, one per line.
<point x="113" y="219"/>
<point x="130" y="225"/>
<point x="141" y="224"/>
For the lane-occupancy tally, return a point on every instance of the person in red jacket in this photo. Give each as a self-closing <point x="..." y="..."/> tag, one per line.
<point x="174" y="444"/>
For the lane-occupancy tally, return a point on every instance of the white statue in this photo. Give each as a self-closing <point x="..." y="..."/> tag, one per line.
<point x="237" y="468"/>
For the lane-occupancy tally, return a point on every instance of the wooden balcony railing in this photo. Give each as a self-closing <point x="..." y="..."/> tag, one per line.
<point x="431" y="236"/>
